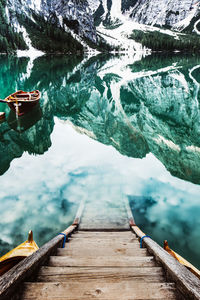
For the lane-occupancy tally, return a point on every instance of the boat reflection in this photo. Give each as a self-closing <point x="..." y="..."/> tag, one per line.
<point x="26" y="121"/>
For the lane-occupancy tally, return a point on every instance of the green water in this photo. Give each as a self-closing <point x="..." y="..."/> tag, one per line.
<point x="107" y="127"/>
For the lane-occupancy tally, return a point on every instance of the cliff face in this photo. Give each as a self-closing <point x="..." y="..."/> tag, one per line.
<point x="169" y="13"/>
<point x="38" y="20"/>
<point x="73" y="17"/>
<point x="164" y="12"/>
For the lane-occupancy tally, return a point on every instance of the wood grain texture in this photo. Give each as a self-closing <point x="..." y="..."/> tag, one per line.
<point x="104" y="235"/>
<point x="103" y="289"/>
<point x="100" y="251"/>
<point x="187" y="283"/>
<point x="99" y="298"/>
<point x="10" y="280"/>
<point x="99" y="241"/>
<point x="54" y="274"/>
<point x="135" y="271"/>
<point x="101" y="261"/>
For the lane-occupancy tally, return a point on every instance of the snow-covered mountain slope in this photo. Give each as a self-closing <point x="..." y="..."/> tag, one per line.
<point x="54" y="22"/>
<point x="116" y="20"/>
<point x="117" y="28"/>
<point x="172" y="13"/>
<point x="77" y="25"/>
<point x="74" y="14"/>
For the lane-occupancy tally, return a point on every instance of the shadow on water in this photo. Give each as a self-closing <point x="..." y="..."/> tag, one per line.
<point x="136" y="106"/>
<point x="24" y="122"/>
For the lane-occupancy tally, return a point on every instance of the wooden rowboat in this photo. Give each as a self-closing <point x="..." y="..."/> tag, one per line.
<point x="2" y="117"/>
<point x="182" y="260"/>
<point x="11" y="258"/>
<point x="98" y="262"/>
<point x="21" y="101"/>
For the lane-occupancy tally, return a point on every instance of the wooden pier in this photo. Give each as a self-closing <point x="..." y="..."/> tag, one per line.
<point x="100" y="261"/>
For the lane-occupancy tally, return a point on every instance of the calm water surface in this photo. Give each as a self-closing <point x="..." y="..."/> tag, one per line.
<point x="109" y="127"/>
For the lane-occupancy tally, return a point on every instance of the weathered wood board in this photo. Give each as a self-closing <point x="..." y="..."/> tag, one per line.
<point x="99" y="289"/>
<point x="55" y="274"/>
<point x="104" y="261"/>
<point x="84" y="251"/>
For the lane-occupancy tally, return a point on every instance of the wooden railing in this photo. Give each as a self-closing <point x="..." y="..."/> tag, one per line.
<point x="11" y="281"/>
<point x="187" y="283"/>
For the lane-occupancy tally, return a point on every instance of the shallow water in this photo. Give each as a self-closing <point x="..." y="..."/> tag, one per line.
<point x="107" y="127"/>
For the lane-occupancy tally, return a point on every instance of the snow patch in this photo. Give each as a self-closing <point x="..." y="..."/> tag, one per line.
<point x="35" y="5"/>
<point x="186" y="22"/>
<point x="78" y="39"/>
<point x="104" y="3"/>
<point x="163" y="10"/>
<point x="168" y="143"/>
<point x="119" y="37"/>
<point x="31" y="52"/>
<point x="196" y="84"/>
<point x="181" y="78"/>
<point x="193" y="148"/>
<point x="60" y="19"/>
<point x="195" y="27"/>
<point x="94" y="4"/>
<point x="7" y="13"/>
<point x="115" y="11"/>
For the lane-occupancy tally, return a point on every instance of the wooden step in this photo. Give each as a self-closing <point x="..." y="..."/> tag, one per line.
<point x="55" y="274"/>
<point x="100" y="251"/>
<point x="103" y="235"/>
<point x="105" y="242"/>
<point x="98" y="289"/>
<point x="94" y="246"/>
<point x="91" y="298"/>
<point x="101" y="261"/>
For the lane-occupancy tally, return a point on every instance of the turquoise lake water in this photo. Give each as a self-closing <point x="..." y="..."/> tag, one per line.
<point x="107" y="126"/>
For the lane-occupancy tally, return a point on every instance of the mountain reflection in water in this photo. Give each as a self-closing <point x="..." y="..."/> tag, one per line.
<point x="139" y="107"/>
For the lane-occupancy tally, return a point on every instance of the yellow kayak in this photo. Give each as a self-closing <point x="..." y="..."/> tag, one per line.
<point x="183" y="261"/>
<point x="14" y="256"/>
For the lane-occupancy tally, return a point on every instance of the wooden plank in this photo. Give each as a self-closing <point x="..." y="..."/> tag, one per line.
<point x="86" y="277"/>
<point x="134" y="271"/>
<point x="104" y="235"/>
<point x="102" y="243"/>
<point x="99" y="289"/>
<point x="54" y="274"/>
<point x="187" y="283"/>
<point x="10" y="280"/>
<point x="98" y="241"/>
<point x="101" y="261"/>
<point x="91" y="297"/>
<point x="105" y="228"/>
<point x="100" y="251"/>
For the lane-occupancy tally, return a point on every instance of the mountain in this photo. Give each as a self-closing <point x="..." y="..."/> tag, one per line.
<point x="50" y="26"/>
<point x="172" y="14"/>
<point x="82" y="25"/>
<point x="136" y="106"/>
<point x="147" y="21"/>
